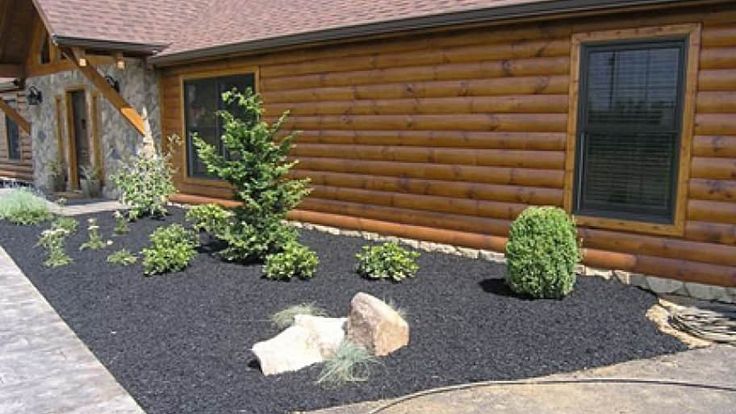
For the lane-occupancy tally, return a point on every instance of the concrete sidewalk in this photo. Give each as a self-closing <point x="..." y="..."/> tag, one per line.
<point x="715" y="365"/>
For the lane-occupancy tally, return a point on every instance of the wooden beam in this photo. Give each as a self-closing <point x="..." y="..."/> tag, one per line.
<point x="80" y="56"/>
<point x="9" y="70"/>
<point x="129" y="113"/>
<point x="15" y="116"/>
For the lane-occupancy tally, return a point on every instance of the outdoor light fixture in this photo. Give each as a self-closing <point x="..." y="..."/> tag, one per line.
<point x="34" y="96"/>
<point x="113" y="83"/>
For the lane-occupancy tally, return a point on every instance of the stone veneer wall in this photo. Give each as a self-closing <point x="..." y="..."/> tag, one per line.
<point x="119" y="140"/>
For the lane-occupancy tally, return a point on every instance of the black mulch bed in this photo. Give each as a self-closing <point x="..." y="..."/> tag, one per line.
<point x="180" y="342"/>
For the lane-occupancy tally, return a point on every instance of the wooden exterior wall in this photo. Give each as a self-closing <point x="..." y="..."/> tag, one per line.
<point x="16" y="169"/>
<point x="449" y="136"/>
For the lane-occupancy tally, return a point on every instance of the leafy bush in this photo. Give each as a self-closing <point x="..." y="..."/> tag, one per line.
<point x="285" y="318"/>
<point x="145" y="184"/>
<point x="212" y="218"/>
<point x="387" y="261"/>
<point x="94" y="241"/>
<point x="22" y="206"/>
<point x="172" y="249"/>
<point x="257" y="168"/>
<point x="541" y="253"/>
<point x="295" y="260"/>
<point x="53" y="240"/>
<point x="121" y="223"/>
<point x="68" y="224"/>
<point x="351" y="363"/>
<point x="122" y="257"/>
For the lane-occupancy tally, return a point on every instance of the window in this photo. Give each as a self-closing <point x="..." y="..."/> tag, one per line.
<point x="629" y="130"/>
<point x="202" y="100"/>
<point x="13" y="139"/>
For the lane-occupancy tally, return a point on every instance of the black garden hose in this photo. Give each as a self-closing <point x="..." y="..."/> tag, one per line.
<point x="714" y="322"/>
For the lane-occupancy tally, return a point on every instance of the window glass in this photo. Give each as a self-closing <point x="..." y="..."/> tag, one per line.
<point x="13" y="139"/>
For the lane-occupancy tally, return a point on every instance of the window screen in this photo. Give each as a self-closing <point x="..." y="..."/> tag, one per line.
<point x="202" y="101"/>
<point x="629" y="130"/>
<point x="13" y="141"/>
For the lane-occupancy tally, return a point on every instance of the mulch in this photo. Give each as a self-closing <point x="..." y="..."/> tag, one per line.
<point x="179" y="343"/>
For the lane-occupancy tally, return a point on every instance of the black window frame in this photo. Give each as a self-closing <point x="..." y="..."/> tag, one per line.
<point x="190" y="150"/>
<point x="680" y="42"/>
<point x="15" y="152"/>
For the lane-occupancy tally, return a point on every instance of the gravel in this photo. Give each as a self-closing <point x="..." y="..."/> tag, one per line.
<point x="179" y="343"/>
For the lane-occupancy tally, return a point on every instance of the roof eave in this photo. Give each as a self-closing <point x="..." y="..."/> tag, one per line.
<point x="536" y="9"/>
<point x="109" y="45"/>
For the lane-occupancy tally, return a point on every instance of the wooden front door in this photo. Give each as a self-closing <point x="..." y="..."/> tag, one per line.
<point x="81" y="155"/>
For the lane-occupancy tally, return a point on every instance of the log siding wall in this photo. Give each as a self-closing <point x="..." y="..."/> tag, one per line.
<point x="447" y="137"/>
<point x="21" y="169"/>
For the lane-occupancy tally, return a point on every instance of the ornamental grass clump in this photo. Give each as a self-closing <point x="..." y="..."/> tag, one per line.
<point x="23" y="207"/>
<point x="172" y="249"/>
<point x="541" y="253"/>
<point x="296" y="260"/>
<point x="70" y="225"/>
<point x="122" y="257"/>
<point x="257" y="168"/>
<point x="53" y="240"/>
<point x="94" y="241"/>
<point x="285" y="318"/>
<point x="351" y="363"/>
<point x="387" y="261"/>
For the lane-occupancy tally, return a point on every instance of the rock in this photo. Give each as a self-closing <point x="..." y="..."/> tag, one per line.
<point x="662" y="285"/>
<point x="375" y="325"/>
<point x="310" y="340"/>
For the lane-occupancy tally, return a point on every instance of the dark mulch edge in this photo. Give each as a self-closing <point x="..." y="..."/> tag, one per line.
<point x="180" y="342"/>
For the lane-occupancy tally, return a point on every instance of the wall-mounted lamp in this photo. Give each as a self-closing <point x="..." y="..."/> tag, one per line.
<point x="113" y="83"/>
<point x="34" y="96"/>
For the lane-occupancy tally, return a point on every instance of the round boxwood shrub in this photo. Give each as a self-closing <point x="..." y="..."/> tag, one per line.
<point x="541" y="253"/>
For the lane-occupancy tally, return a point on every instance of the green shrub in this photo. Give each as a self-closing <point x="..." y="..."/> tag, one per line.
<point x="172" y="249"/>
<point x="542" y="252"/>
<point x="94" y="241"/>
<point x="22" y="206"/>
<point x="351" y="363"/>
<point x="122" y="257"/>
<point x="295" y="260"/>
<point x="257" y="167"/>
<point x="211" y="218"/>
<point x="387" y="261"/>
<point x="68" y="224"/>
<point x="121" y="223"/>
<point x="53" y="241"/>
<point x="285" y="318"/>
<point x="145" y="184"/>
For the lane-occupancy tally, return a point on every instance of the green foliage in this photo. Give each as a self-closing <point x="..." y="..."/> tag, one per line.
<point x="212" y="218"/>
<point x="542" y="252"/>
<point x="94" y="241"/>
<point x="22" y="206"/>
<point x="351" y="363"/>
<point x="172" y="249"/>
<point x="68" y="224"/>
<point x="145" y="184"/>
<point x="257" y="168"/>
<point x="53" y="240"/>
<point x="295" y="260"/>
<point x="122" y="257"/>
<point x="285" y="318"/>
<point x="387" y="261"/>
<point x="121" y="223"/>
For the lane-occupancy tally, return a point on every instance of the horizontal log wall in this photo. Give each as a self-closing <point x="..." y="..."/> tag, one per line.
<point x="448" y="137"/>
<point x="16" y="169"/>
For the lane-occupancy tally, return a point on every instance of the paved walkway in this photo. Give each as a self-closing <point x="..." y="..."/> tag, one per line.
<point x="79" y="208"/>
<point x="715" y="365"/>
<point x="44" y="367"/>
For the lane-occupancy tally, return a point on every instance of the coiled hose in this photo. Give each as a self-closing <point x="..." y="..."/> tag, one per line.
<point x="713" y="322"/>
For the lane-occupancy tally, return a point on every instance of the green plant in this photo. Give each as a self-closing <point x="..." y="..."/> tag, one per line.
<point x="387" y="261"/>
<point x="257" y="167"/>
<point x="121" y="223"/>
<point x="22" y="206"/>
<point x="211" y="218"/>
<point x="70" y="225"/>
<point x="53" y="241"/>
<point x="122" y="257"/>
<point x="285" y="318"/>
<point x="351" y="363"/>
<point x="295" y="260"/>
<point x="542" y="252"/>
<point x="172" y="249"/>
<point x="145" y="183"/>
<point x="94" y="241"/>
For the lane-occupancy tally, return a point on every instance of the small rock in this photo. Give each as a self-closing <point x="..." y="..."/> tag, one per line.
<point x="471" y="253"/>
<point x="662" y="285"/>
<point x="375" y="325"/>
<point x="700" y="291"/>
